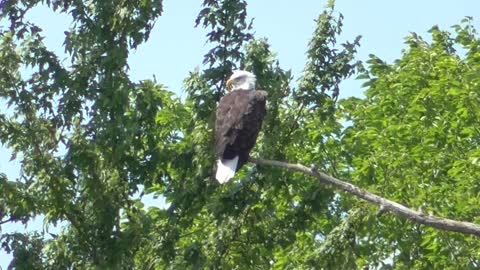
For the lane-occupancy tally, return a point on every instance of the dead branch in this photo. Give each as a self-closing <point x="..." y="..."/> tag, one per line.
<point x="385" y="204"/>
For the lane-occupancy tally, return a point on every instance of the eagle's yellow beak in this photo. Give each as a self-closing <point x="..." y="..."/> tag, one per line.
<point x="229" y="84"/>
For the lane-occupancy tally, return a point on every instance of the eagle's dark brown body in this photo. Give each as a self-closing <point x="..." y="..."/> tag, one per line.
<point x="239" y="120"/>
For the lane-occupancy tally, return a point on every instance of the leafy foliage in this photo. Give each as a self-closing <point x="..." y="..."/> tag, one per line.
<point x="327" y="66"/>
<point x="88" y="137"/>
<point x="226" y="20"/>
<point x="414" y="140"/>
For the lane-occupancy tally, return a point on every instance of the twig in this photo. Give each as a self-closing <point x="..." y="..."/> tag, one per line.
<point x="400" y="210"/>
<point x="7" y="220"/>
<point x="202" y="229"/>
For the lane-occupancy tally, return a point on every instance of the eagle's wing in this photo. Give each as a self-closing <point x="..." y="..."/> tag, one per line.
<point x="232" y="110"/>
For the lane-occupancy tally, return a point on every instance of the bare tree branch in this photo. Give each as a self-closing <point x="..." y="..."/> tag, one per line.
<point x="385" y="204"/>
<point x="7" y="220"/>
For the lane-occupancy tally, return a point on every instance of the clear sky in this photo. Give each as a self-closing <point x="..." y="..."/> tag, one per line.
<point x="176" y="47"/>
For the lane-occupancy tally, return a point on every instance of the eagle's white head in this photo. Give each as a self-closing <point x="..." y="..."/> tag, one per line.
<point x="241" y="80"/>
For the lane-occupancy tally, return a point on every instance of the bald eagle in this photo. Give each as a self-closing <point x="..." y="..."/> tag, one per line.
<point x="239" y="119"/>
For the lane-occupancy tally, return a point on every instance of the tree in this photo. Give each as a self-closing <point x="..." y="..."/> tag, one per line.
<point x="414" y="140"/>
<point x="88" y="136"/>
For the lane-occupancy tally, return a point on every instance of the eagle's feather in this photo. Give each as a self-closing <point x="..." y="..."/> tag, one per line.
<point x="239" y="120"/>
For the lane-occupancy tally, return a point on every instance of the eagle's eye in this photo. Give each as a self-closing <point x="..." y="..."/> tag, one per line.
<point x="230" y="83"/>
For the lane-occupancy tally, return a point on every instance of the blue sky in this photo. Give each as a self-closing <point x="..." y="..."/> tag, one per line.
<point x="176" y="47"/>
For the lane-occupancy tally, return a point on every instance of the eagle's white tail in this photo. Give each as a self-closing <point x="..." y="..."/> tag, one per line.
<point x="226" y="169"/>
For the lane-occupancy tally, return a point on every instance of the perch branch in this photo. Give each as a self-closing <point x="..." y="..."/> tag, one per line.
<point x="385" y="204"/>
